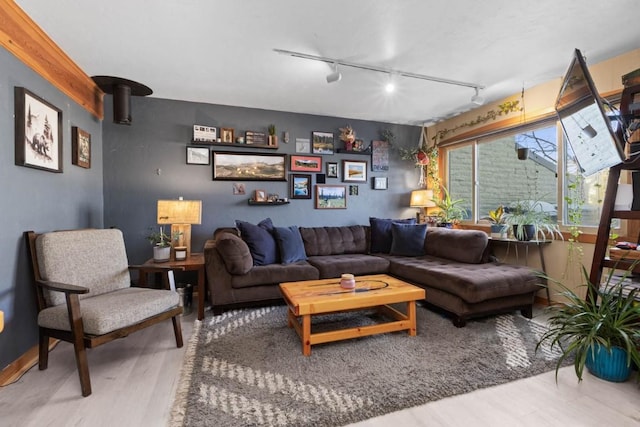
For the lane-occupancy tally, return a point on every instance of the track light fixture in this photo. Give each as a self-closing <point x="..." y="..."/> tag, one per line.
<point x="337" y="62"/>
<point x="335" y="76"/>
<point x="477" y="99"/>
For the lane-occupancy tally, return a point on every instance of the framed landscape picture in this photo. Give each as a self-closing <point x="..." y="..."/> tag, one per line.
<point x="198" y="156"/>
<point x="38" y="132"/>
<point x="322" y="142"/>
<point x="249" y="166"/>
<point x="80" y="147"/>
<point x="305" y="164"/>
<point x="300" y="186"/>
<point x="331" y="196"/>
<point x="354" y="171"/>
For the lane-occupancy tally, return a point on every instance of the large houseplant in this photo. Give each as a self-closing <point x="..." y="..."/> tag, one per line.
<point x="529" y="220"/>
<point x="449" y="210"/>
<point x="604" y="325"/>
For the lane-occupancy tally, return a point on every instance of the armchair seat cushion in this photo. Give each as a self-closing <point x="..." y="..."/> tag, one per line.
<point x="107" y="312"/>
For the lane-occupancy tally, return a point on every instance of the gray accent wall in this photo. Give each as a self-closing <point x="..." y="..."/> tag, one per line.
<point x="146" y="161"/>
<point x="38" y="200"/>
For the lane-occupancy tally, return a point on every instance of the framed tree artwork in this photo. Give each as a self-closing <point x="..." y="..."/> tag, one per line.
<point x="331" y="196"/>
<point x="38" y="132"/>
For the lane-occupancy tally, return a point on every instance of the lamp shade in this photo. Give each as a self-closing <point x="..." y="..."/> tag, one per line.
<point x="179" y="211"/>
<point x="422" y="199"/>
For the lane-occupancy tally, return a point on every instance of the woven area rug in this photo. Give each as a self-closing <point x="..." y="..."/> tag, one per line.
<point x="246" y="367"/>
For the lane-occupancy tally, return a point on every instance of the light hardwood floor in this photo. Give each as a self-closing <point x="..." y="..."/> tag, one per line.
<point x="134" y="380"/>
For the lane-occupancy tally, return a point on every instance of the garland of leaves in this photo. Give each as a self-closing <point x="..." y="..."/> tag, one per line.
<point x="503" y="109"/>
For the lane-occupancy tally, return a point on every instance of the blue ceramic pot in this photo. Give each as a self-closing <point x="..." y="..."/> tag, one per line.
<point x="608" y="365"/>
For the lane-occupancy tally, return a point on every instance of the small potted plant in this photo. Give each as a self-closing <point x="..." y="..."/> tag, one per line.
<point x="348" y="136"/>
<point x="273" y="138"/>
<point x="601" y="331"/>
<point x="498" y="226"/>
<point x="529" y="220"/>
<point x="449" y="213"/>
<point x="161" y="245"/>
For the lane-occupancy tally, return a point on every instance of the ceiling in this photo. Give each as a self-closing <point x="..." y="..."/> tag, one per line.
<point x="221" y="52"/>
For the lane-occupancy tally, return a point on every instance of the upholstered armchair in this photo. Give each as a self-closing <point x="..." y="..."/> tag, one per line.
<point x="85" y="297"/>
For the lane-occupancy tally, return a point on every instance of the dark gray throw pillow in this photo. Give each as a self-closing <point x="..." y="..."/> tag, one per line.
<point x="408" y="239"/>
<point x="234" y="253"/>
<point x="290" y="244"/>
<point x="260" y="241"/>
<point x="381" y="233"/>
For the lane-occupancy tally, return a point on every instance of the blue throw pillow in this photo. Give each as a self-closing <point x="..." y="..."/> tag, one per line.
<point x="261" y="243"/>
<point x="408" y="239"/>
<point x="290" y="244"/>
<point x="381" y="233"/>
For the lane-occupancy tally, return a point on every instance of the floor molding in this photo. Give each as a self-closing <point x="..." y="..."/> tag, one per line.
<point x="22" y="364"/>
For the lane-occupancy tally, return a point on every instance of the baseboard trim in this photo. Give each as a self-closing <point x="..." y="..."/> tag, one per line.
<point x="22" y="364"/>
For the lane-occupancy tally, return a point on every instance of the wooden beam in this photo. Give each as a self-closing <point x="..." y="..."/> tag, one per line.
<point x="22" y="37"/>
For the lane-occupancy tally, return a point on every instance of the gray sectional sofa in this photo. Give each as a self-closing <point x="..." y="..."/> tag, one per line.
<point x="455" y="269"/>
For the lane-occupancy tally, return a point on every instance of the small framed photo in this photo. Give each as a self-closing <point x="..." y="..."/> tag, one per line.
<point x="226" y="134"/>
<point x="305" y="164"/>
<point x="300" y="186"/>
<point x="80" y="148"/>
<point x="303" y="145"/>
<point x="354" y="171"/>
<point x="198" y="156"/>
<point x="353" y="190"/>
<point x="260" y="196"/>
<point x="38" y="132"/>
<point x="322" y="142"/>
<point x="239" y="189"/>
<point x="331" y="196"/>
<point x="332" y="169"/>
<point x="380" y="183"/>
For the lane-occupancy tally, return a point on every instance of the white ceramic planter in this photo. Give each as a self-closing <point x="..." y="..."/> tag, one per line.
<point x="161" y="253"/>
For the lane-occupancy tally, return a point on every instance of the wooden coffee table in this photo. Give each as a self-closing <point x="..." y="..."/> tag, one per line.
<point x="313" y="297"/>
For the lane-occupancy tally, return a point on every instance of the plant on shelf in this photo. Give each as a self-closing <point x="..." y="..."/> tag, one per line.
<point x="529" y="220"/>
<point x="348" y="136"/>
<point x="161" y="242"/>
<point x="273" y="138"/>
<point x="497" y="219"/>
<point x="449" y="211"/>
<point x="598" y="329"/>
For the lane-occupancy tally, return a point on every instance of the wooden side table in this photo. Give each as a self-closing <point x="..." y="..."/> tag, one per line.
<point x="195" y="262"/>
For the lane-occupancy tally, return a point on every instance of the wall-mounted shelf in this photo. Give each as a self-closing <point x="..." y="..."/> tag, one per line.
<point x="362" y="153"/>
<point x="254" y="203"/>
<point x="236" y="144"/>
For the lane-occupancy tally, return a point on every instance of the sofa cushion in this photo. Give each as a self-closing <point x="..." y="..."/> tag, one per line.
<point x="381" y="237"/>
<point x="468" y="246"/>
<point x="331" y="266"/>
<point x="334" y="240"/>
<point x="235" y="253"/>
<point x="408" y="239"/>
<point x="471" y="282"/>
<point x="260" y="241"/>
<point x="290" y="244"/>
<point x="274" y="274"/>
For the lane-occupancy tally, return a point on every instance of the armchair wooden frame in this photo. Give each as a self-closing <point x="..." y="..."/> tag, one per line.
<point x="81" y="340"/>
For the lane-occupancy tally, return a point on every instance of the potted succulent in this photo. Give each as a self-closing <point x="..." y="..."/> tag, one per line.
<point x="449" y="213"/>
<point x="601" y="331"/>
<point x="273" y="138"/>
<point x="498" y="226"/>
<point x="161" y="245"/>
<point x="529" y="220"/>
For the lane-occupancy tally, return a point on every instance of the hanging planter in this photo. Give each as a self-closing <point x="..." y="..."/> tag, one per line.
<point x="523" y="153"/>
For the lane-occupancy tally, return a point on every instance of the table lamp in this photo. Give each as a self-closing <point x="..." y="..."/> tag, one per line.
<point x="180" y="214"/>
<point x="422" y="199"/>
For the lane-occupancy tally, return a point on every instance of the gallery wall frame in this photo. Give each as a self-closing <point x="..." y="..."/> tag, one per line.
<point x="232" y="166"/>
<point x="379" y="183"/>
<point x="80" y="147"/>
<point x="330" y="196"/>
<point x="299" y="186"/>
<point x="198" y="156"/>
<point x="322" y="142"/>
<point x="354" y="171"/>
<point x="38" y="130"/>
<point x="305" y="163"/>
<point x="379" y="156"/>
<point x="332" y="169"/>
